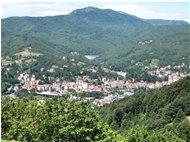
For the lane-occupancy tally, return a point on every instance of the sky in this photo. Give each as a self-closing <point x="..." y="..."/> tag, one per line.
<point x="149" y="10"/>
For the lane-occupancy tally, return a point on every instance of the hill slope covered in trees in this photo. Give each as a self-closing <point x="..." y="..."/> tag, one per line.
<point x="167" y="108"/>
<point x="116" y="37"/>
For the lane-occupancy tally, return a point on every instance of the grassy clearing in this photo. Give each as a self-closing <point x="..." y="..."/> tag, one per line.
<point x="30" y="60"/>
<point x="188" y="118"/>
<point x="27" y="53"/>
<point x="154" y="63"/>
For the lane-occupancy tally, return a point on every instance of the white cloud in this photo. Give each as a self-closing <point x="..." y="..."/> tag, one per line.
<point x="143" y="12"/>
<point x="35" y="9"/>
<point x="50" y="8"/>
<point x="124" y="8"/>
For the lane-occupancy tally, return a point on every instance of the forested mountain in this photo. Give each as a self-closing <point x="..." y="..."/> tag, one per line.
<point x="167" y="108"/>
<point x="115" y="36"/>
<point x="78" y="18"/>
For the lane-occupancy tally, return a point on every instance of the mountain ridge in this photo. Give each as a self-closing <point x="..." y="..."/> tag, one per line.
<point x="166" y="22"/>
<point x="91" y="9"/>
<point x="99" y="32"/>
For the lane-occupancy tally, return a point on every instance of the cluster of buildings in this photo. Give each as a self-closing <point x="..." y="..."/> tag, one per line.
<point x="109" y="99"/>
<point x="145" y="42"/>
<point x="166" y="72"/>
<point x="81" y="84"/>
<point x="85" y="84"/>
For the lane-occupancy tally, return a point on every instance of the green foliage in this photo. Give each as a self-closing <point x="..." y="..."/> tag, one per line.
<point x="93" y="94"/>
<point x="115" y="37"/>
<point x="140" y="134"/>
<point x="180" y="116"/>
<point x="183" y="128"/>
<point x="23" y="93"/>
<point x="165" y="108"/>
<point x="139" y="118"/>
<point x="59" y="119"/>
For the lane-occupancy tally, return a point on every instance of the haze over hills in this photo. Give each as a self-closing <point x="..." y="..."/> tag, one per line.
<point x="116" y="37"/>
<point x="166" y="22"/>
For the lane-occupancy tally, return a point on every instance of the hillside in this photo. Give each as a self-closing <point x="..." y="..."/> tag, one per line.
<point x="116" y="37"/>
<point x="164" y="109"/>
<point x="169" y="49"/>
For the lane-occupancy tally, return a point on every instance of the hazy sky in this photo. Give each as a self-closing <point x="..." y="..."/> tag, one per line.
<point x="149" y="10"/>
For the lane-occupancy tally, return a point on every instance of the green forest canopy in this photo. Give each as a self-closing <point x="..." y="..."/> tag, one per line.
<point x="167" y="108"/>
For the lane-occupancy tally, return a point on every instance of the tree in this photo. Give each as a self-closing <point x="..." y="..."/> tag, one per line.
<point x="58" y="119"/>
<point x="118" y="116"/>
<point x="180" y="116"/>
<point x="22" y="93"/>
<point x="141" y="134"/>
<point x="183" y="129"/>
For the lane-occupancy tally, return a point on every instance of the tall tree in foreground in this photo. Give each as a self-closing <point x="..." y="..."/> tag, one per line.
<point x="60" y="119"/>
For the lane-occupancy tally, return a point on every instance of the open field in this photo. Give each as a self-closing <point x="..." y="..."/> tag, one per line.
<point x="188" y="118"/>
<point x="27" y="53"/>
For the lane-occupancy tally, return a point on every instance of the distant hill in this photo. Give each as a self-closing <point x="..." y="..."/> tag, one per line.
<point x="166" y="22"/>
<point x="115" y="37"/>
<point x="107" y="16"/>
<point x="166" y="108"/>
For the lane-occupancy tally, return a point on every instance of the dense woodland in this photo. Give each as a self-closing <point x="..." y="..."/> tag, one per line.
<point x="165" y="109"/>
